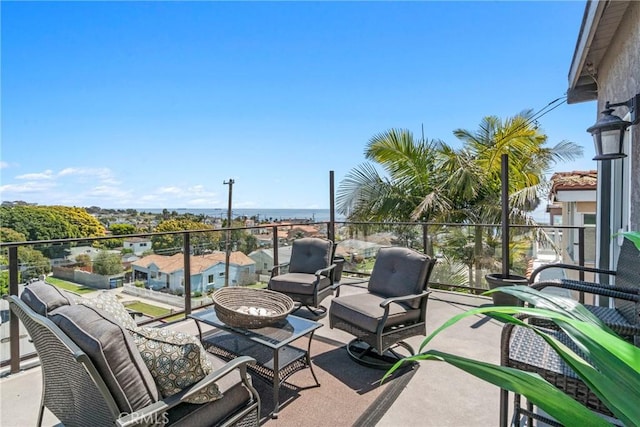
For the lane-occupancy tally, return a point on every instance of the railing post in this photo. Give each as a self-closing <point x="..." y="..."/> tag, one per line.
<point x="14" y="324"/>
<point x="331" y="229"/>
<point x="186" y="250"/>
<point x="581" y="260"/>
<point x="425" y="238"/>
<point x="477" y="254"/>
<point x="274" y="231"/>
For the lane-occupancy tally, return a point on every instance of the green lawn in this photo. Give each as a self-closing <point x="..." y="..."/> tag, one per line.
<point x="69" y="286"/>
<point x="148" y="309"/>
<point x="258" y="285"/>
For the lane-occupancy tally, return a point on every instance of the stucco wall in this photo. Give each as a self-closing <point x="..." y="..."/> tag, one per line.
<point x="619" y="80"/>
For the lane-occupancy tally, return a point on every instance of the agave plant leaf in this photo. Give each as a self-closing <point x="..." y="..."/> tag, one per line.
<point x="634" y="236"/>
<point x="610" y="367"/>
<point x="616" y="377"/>
<point x="553" y="401"/>
<point x="560" y="304"/>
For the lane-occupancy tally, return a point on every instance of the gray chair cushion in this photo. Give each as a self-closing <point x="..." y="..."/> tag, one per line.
<point x="112" y="351"/>
<point x="364" y="310"/>
<point x="43" y="298"/>
<point x="297" y="283"/>
<point x="235" y="395"/>
<point x="310" y="254"/>
<point x="399" y="272"/>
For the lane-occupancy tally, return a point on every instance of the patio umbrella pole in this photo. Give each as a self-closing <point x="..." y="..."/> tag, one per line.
<point x="504" y="163"/>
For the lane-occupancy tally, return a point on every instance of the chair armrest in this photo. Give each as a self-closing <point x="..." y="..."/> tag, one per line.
<point x="155" y="411"/>
<point x="239" y="362"/>
<point x="325" y="271"/>
<point x="621" y="292"/>
<point x="388" y="301"/>
<point x="275" y="270"/>
<point x="569" y="267"/>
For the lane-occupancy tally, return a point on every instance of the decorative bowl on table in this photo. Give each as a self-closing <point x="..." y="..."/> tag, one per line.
<point x="251" y="308"/>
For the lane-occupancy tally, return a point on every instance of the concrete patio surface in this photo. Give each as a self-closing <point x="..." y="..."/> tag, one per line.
<point x="437" y="395"/>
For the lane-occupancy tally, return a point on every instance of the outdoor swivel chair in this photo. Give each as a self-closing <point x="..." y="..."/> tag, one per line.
<point x="309" y="278"/>
<point x="394" y="307"/>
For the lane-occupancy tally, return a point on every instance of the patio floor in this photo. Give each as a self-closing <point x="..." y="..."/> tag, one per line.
<point x="436" y="395"/>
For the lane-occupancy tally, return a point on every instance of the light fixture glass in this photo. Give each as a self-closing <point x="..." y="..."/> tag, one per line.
<point x="608" y="136"/>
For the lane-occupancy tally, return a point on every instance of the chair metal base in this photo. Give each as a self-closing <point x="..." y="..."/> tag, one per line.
<point x="366" y="355"/>
<point x="318" y="312"/>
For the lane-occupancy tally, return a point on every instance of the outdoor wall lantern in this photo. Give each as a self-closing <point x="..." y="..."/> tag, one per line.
<point x="608" y="131"/>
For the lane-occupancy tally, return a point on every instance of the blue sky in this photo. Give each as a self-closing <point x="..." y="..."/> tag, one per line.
<point x="155" y="104"/>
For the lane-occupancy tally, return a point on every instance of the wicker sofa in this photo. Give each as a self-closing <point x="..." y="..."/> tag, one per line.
<point x="94" y="372"/>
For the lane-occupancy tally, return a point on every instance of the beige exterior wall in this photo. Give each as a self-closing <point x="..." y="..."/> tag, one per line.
<point x="619" y="80"/>
<point x="586" y="207"/>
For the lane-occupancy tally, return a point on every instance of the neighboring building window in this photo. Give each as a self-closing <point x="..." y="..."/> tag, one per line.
<point x="210" y="279"/>
<point x="589" y="222"/>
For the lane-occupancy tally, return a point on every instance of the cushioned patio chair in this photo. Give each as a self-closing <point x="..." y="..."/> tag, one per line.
<point x="308" y="277"/>
<point x="94" y="375"/>
<point x="624" y="318"/>
<point x="393" y="309"/>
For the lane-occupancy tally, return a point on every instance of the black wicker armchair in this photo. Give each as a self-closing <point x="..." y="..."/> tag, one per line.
<point x="624" y="317"/>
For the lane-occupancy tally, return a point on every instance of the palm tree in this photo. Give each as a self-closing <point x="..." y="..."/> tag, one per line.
<point x="529" y="161"/>
<point x="409" y="189"/>
<point x="428" y="180"/>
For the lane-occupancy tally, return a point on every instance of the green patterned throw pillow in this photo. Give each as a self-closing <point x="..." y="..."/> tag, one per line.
<point x="176" y="360"/>
<point x="109" y="303"/>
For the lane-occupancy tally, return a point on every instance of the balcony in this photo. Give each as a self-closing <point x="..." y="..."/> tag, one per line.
<point x="436" y="394"/>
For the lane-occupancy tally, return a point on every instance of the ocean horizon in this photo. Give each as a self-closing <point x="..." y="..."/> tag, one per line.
<point x="314" y="215"/>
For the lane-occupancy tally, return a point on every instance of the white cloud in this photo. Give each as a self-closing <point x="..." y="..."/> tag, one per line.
<point x="3" y="165"/>
<point x="100" y="173"/>
<point x="169" y="190"/>
<point x="27" y="187"/>
<point x="48" y="174"/>
<point x="108" y="192"/>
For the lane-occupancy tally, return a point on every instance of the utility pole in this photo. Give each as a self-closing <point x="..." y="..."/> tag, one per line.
<point x="228" y="240"/>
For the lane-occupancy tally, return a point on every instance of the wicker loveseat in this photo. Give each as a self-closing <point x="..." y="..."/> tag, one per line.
<point x="94" y="373"/>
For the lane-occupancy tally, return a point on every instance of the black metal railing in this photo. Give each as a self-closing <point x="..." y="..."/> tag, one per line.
<point x="466" y="252"/>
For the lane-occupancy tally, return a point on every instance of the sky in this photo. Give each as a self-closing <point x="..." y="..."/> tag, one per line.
<point x="158" y="104"/>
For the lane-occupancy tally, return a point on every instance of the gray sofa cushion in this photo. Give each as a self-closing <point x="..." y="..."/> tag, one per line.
<point x="364" y="311"/>
<point x="43" y="298"/>
<point x="310" y="254"/>
<point x="236" y="395"/>
<point x="112" y="351"/>
<point x="399" y="272"/>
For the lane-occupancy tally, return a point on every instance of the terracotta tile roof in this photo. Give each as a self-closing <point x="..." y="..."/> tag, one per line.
<point x="199" y="263"/>
<point x="574" y="181"/>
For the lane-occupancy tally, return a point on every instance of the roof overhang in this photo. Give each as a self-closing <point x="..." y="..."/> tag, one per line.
<point x="575" y="196"/>
<point x="599" y="24"/>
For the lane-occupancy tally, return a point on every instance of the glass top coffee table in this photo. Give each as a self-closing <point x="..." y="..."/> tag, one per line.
<point x="276" y="359"/>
